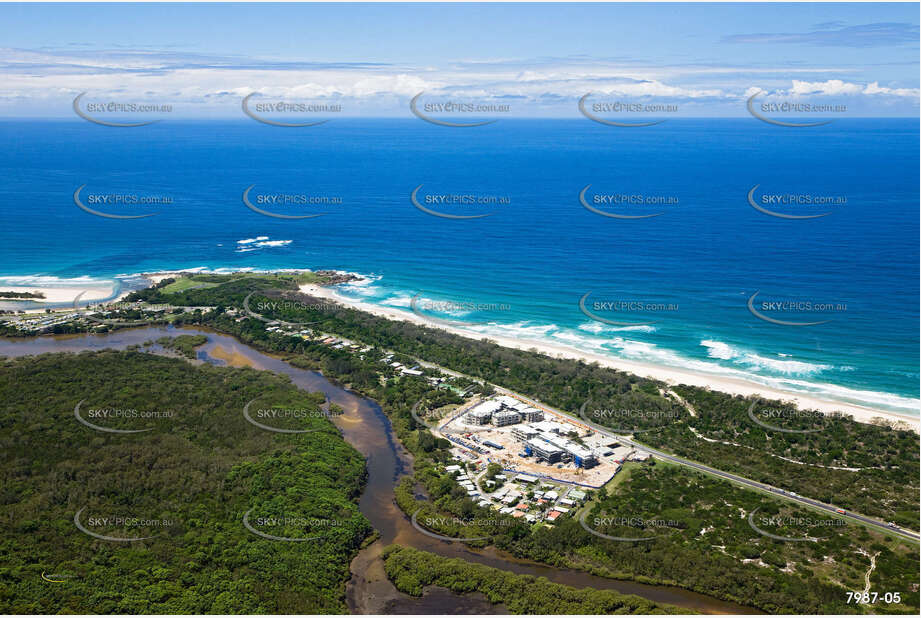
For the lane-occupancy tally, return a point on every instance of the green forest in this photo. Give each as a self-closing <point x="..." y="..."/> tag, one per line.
<point x="775" y="577"/>
<point x="708" y="545"/>
<point x="186" y="481"/>
<point x="884" y="484"/>
<point x="411" y="570"/>
<point x="870" y="469"/>
<point x="182" y="344"/>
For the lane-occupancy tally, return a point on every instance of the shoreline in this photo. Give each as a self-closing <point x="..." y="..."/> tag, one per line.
<point x="61" y="299"/>
<point x="60" y="294"/>
<point x="96" y="291"/>
<point x="670" y="375"/>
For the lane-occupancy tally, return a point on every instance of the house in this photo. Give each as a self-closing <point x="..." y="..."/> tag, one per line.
<point x="525" y="478"/>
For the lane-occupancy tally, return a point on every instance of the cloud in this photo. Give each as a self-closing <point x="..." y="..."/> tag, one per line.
<point x="158" y="61"/>
<point x="655" y="88"/>
<point x="836" y="88"/>
<point x="828" y="25"/>
<point x="197" y="84"/>
<point x="875" y="88"/>
<point x="831" y="87"/>
<point x="833" y="34"/>
<point x="198" y="77"/>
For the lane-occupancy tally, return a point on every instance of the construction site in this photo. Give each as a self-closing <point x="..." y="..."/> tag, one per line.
<point x="528" y="440"/>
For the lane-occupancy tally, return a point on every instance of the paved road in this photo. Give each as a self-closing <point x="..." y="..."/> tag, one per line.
<point x="907" y="534"/>
<point x="780" y="493"/>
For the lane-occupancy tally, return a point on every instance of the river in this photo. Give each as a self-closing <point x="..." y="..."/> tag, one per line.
<point x="365" y="426"/>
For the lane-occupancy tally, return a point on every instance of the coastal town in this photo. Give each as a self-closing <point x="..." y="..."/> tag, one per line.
<point x="97" y="317"/>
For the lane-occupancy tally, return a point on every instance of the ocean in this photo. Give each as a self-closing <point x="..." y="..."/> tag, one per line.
<point x="826" y="305"/>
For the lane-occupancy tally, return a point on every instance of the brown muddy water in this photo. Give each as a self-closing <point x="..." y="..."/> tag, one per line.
<point x="366" y="427"/>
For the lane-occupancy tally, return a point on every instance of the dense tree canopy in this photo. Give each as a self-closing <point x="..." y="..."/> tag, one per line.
<point x="189" y="479"/>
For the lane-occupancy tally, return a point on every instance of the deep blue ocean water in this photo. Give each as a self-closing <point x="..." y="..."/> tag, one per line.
<point x="538" y="254"/>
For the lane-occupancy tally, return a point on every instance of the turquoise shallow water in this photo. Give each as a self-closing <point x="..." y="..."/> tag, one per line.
<point x="677" y="284"/>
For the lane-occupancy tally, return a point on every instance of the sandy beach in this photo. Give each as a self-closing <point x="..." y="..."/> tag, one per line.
<point x="669" y="375"/>
<point x="156" y="278"/>
<point x="63" y="294"/>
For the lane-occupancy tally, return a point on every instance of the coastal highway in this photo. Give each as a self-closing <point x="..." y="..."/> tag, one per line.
<point x="906" y="534"/>
<point x="780" y="493"/>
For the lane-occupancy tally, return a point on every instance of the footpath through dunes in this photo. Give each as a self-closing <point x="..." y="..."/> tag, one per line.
<point x="364" y="425"/>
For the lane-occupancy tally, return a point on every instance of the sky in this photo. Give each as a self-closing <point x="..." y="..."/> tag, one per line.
<point x="538" y="59"/>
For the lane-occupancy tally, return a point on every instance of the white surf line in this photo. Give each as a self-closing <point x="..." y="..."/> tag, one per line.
<point x="860" y="413"/>
<point x="690" y="409"/>
<point x="746" y="482"/>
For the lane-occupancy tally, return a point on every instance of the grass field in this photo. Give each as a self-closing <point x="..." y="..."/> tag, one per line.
<point x="206" y="280"/>
<point x="187" y="283"/>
